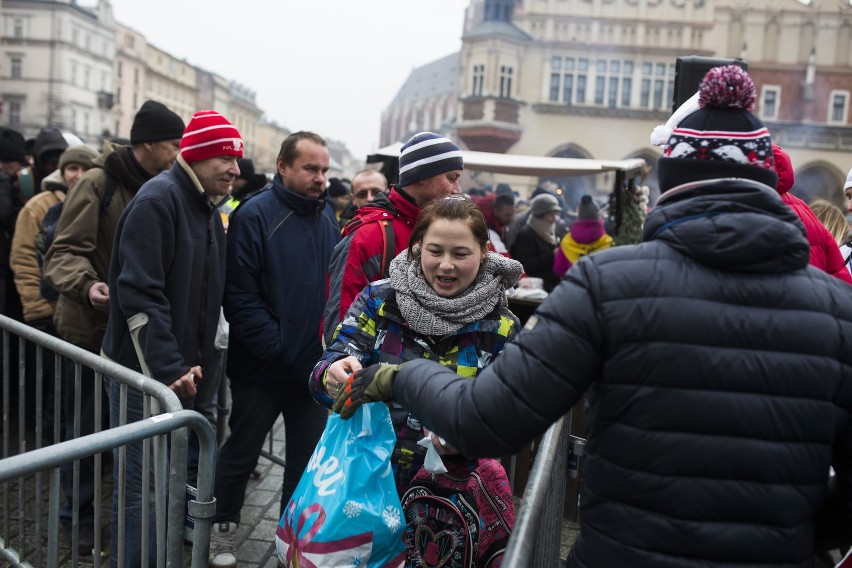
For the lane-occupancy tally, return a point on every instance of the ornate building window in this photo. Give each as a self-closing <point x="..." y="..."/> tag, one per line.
<point x="657" y="85"/>
<point x="505" y="82"/>
<point x="838" y="110"/>
<point x="16" y="67"/>
<point x="14" y="113"/>
<point x="568" y="80"/>
<point x="769" y="98"/>
<point x="555" y="77"/>
<point x="478" y="80"/>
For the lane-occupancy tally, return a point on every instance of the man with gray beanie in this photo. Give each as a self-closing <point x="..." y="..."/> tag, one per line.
<point x="77" y="263"/>
<point x="429" y="168"/>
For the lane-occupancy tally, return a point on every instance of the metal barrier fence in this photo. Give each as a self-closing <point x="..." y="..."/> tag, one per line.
<point x="537" y="536"/>
<point x="22" y="542"/>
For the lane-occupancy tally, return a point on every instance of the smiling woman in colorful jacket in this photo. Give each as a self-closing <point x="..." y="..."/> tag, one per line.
<point x="444" y="300"/>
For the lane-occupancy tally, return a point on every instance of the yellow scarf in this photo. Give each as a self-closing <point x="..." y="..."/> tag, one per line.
<point x="574" y="250"/>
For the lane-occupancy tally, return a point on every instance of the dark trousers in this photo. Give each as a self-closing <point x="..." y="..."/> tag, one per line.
<point x="87" y="426"/>
<point x="254" y="409"/>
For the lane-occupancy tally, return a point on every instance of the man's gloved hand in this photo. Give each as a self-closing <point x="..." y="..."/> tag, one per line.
<point x="367" y="385"/>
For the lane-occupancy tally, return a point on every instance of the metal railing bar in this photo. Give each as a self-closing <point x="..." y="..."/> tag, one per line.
<point x="519" y="551"/>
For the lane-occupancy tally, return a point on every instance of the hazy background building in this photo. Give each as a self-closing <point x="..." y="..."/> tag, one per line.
<point x="592" y="78"/>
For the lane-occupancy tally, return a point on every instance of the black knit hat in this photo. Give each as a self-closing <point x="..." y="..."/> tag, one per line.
<point x="49" y="139"/>
<point x="722" y="139"/>
<point x="155" y="122"/>
<point x="12" y="146"/>
<point x="337" y="188"/>
<point x="588" y="209"/>
<point x="246" y="168"/>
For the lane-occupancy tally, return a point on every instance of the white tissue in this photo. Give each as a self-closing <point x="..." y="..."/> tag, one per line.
<point x="433" y="462"/>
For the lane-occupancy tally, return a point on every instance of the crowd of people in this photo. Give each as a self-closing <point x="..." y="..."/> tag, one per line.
<point x="715" y="356"/>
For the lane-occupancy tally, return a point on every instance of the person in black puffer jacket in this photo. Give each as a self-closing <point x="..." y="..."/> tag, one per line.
<point x="716" y="362"/>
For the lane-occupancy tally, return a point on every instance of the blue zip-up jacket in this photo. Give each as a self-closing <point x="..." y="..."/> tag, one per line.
<point x="279" y="247"/>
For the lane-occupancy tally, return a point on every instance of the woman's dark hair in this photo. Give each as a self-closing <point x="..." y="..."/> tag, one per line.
<point x="452" y="208"/>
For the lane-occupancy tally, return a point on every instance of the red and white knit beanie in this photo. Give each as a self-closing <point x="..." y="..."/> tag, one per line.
<point x="208" y="135"/>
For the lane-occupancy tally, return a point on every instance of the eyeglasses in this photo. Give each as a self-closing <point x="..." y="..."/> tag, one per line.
<point x="362" y="194"/>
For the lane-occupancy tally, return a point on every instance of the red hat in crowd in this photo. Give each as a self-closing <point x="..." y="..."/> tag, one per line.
<point x="208" y="135"/>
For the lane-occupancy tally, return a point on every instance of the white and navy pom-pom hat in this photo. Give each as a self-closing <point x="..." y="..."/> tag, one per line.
<point x="722" y="138"/>
<point x="426" y="155"/>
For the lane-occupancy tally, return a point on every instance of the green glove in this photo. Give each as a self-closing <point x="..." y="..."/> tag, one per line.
<point x="367" y="385"/>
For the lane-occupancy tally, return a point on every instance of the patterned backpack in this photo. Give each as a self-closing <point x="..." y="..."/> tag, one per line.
<point x="458" y="519"/>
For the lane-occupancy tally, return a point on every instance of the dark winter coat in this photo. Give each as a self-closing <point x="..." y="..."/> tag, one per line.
<point x="718" y="369"/>
<point x="279" y="247"/>
<point x="168" y="262"/>
<point x="536" y="255"/>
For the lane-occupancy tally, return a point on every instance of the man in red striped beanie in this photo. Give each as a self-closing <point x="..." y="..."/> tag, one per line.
<point x="168" y="272"/>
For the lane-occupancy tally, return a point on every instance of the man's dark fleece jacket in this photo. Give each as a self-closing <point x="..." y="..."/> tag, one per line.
<point x="168" y="262"/>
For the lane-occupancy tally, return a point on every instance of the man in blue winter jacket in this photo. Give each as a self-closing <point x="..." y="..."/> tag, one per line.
<point x="168" y="272"/>
<point x="279" y="247"/>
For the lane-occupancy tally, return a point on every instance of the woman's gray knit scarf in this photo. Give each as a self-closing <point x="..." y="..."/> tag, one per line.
<point x="428" y="313"/>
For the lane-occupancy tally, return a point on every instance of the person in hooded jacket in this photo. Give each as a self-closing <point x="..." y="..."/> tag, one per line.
<point x="38" y="303"/>
<point x="585" y="236"/>
<point x="537" y="243"/>
<point x="38" y="311"/>
<point x="716" y="364"/>
<point x="825" y="253"/>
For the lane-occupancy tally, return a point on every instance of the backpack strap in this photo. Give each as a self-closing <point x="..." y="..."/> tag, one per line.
<point x="109" y="192"/>
<point x="388" y="246"/>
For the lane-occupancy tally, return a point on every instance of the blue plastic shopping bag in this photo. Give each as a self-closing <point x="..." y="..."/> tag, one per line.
<point x="345" y="510"/>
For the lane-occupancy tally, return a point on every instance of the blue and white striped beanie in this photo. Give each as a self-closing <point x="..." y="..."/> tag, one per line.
<point x="426" y="155"/>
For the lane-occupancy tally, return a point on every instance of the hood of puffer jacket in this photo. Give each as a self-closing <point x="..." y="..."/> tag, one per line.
<point x="784" y="169"/>
<point x="737" y="225"/>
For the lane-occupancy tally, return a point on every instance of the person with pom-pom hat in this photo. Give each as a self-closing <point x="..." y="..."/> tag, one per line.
<point x="715" y="361"/>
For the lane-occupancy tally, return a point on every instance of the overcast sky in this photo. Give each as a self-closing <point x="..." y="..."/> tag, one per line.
<point x="329" y="66"/>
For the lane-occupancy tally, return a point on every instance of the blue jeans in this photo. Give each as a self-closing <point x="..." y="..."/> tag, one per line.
<point x="254" y="409"/>
<point x="132" y="536"/>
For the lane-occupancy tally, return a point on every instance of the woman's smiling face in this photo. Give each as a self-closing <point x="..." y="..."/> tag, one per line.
<point x="450" y="257"/>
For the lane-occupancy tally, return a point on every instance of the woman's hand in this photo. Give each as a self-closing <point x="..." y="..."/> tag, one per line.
<point x="338" y="372"/>
<point x="443" y="448"/>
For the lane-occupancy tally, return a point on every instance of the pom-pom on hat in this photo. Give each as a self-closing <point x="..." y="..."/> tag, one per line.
<point x="208" y="135"/>
<point x="722" y="139"/>
<point x="155" y="122"/>
<point x="427" y="155"/>
<point x="588" y="209"/>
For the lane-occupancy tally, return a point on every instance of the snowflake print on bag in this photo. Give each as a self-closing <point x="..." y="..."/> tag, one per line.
<point x="392" y="518"/>
<point x="352" y="509"/>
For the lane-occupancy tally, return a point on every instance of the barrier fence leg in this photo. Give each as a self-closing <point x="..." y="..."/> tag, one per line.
<point x="549" y="537"/>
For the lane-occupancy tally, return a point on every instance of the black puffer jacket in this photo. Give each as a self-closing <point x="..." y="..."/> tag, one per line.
<point x="718" y="369"/>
